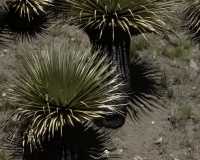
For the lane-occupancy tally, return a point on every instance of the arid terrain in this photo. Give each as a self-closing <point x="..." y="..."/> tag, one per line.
<point x="171" y="132"/>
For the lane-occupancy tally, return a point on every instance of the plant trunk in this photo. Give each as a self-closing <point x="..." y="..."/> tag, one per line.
<point x="80" y="142"/>
<point x="56" y="148"/>
<point x="117" y="50"/>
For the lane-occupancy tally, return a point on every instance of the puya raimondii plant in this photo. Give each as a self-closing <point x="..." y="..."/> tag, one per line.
<point x="24" y="19"/>
<point x="60" y="88"/>
<point x="110" y="24"/>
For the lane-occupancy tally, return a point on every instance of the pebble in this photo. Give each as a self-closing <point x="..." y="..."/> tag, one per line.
<point x="159" y="141"/>
<point x="5" y="51"/>
<point x="193" y="65"/>
<point x="120" y="151"/>
<point x="3" y="95"/>
<point x="137" y="158"/>
<point x="194" y="88"/>
<point x="171" y="155"/>
<point x="152" y="122"/>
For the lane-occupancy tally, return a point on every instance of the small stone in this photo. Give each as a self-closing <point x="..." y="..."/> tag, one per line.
<point x="106" y="151"/>
<point x="152" y="122"/>
<point x="159" y="141"/>
<point x="137" y="158"/>
<point x="72" y="39"/>
<point x="171" y="155"/>
<point x="3" y="94"/>
<point x="194" y="88"/>
<point x="193" y="65"/>
<point x="5" y="51"/>
<point x="120" y="151"/>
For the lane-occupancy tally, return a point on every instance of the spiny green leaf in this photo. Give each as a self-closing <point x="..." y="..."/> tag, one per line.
<point x="190" y="21"/>
<point x="27" y="7"/>
<point x="61" y="87"/>
<point x="133" y="16"/>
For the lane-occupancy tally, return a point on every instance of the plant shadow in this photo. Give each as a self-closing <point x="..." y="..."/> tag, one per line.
<point x="80" y="142"/>
<point x="146" y="92"/>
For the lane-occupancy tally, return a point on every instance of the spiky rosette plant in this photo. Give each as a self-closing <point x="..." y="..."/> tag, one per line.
<point x="113" y="22"/>
<point x="190" y="21"/>
<point x="27" y="8"/>
<point x="131" y="17"/>
<point x="24" y="19"/>
<point x="61" y="88"/>
<point x="110" y="25"/>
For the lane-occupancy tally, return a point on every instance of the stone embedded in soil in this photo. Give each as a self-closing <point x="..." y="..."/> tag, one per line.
<point x="106" y="153"/>
<point x="5" y="51"/>
<point x="171" y="155"/>
<point x="3" y="95"/>
<point x="120" y="151"/>
<point x="137" y="158"/>
<point x="193" y="65"/>
<point x="194" y="88"/>
<point x="159" y="141"/>
<point x="152" y="122"/>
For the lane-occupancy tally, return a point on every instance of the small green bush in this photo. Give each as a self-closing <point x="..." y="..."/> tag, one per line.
<point x="181" y="112"/>
<point x="180" y="51"/>
<point x="187" y="111"/>
<point x="170" y="94"/>
<point x="186" y="75"/>
<point x="3" y="77"/>
<point x="164" y="80"/>
<point x="137" y="43"/>
<point x="3" y="155"/>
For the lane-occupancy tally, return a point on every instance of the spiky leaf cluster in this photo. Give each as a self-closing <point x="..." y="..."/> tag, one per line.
<point x="62" y="88"/>
<point x="190" y="21"/>
<point x="24" y="19"/>
<point x="132" y="16"/>
<point x="27" y="8"/>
